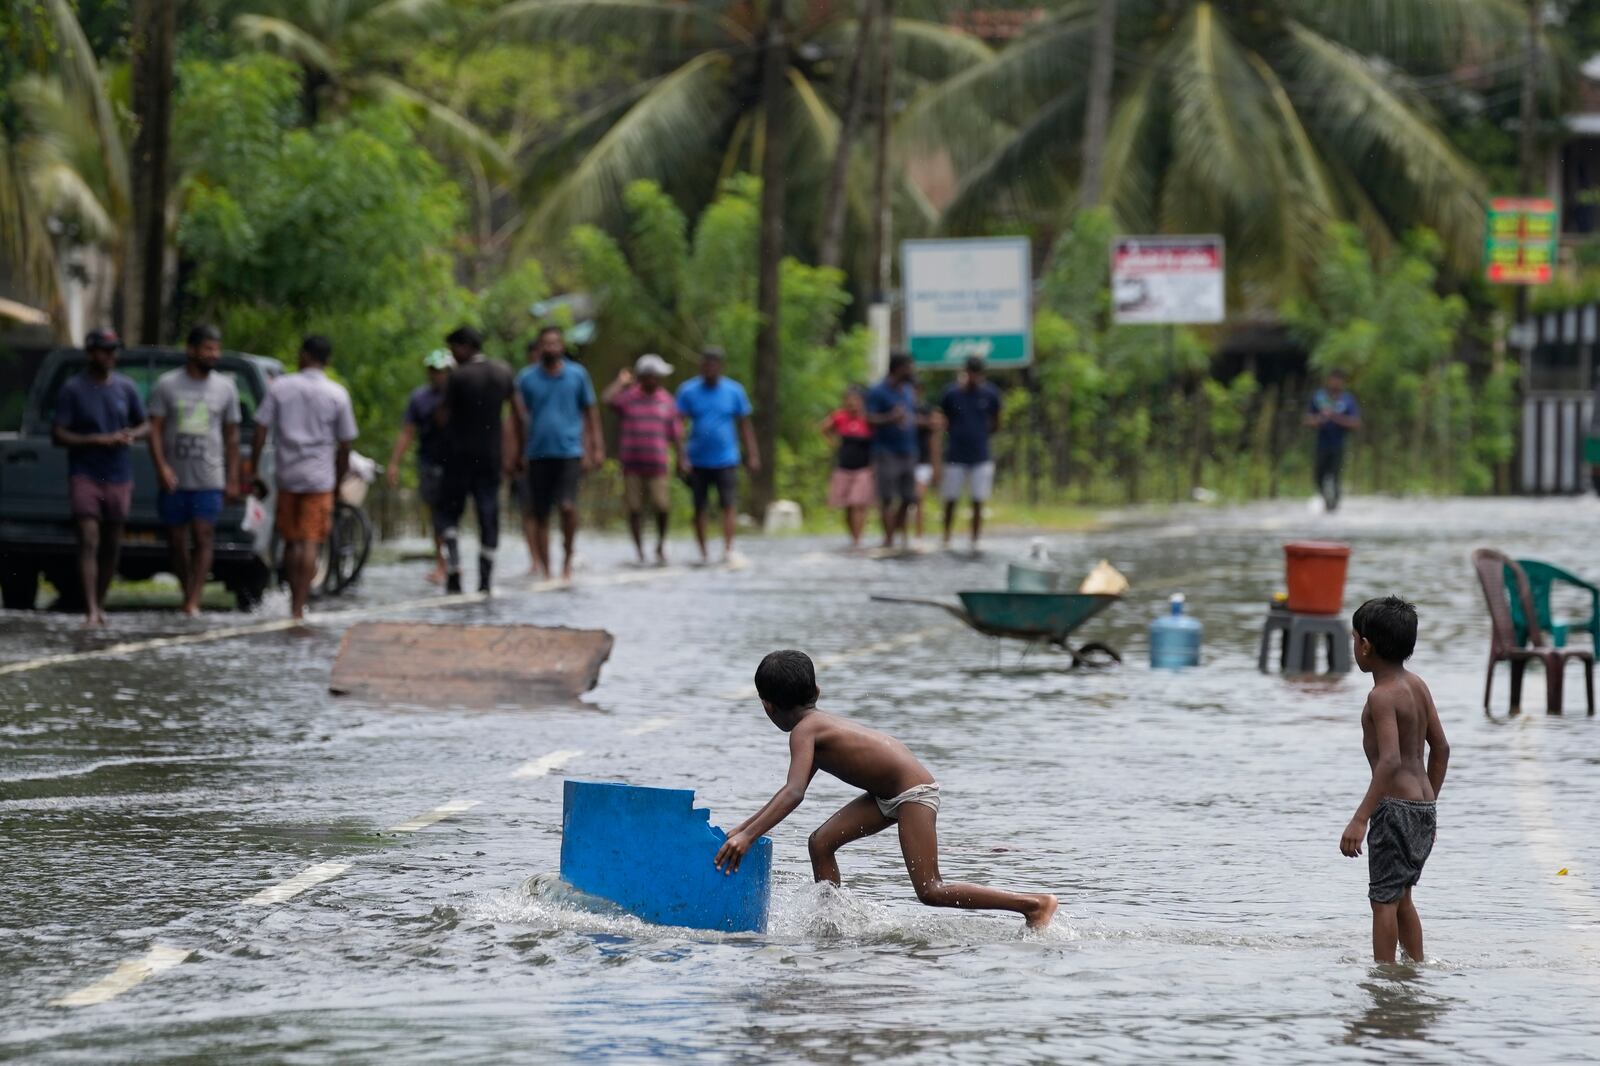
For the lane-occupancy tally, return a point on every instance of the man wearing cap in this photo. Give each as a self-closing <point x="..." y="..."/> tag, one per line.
<point x="649" y="433"/>
<point x="471" y="418"/>
<point x="98" y="415"/>
<point x="892" y="414"/>
<point x="312" y="426"/>
<point x="714" y="405"/>
<point x="421" y="425"/>
<point x="971" y="409"/>
<point x="559" y="438"/>
<point x="194" y="445"/>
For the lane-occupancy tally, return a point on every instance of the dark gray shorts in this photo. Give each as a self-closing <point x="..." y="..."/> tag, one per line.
<point x="896" y="477"/>
<point x="1399" y="840"/>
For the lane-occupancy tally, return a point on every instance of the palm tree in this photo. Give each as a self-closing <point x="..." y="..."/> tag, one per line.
<point x="342" y="47"/>
<point x="746" y="88"/>
<point x="700" y="120"/>
<point x="1263" y="119"/>
<point x="63" y="169"/>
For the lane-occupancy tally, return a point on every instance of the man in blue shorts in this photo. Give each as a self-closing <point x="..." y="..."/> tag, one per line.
<point x="558" y="434"/>
<point x="892" y="414"/>
<point x="194" y="444"/>
<point x="715" y="406"/>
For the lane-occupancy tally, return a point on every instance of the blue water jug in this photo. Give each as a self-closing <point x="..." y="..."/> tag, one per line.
<point x="1175" y="639"/>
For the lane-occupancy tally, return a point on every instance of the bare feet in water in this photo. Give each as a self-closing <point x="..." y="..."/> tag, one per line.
<point x="1047" y="910"/>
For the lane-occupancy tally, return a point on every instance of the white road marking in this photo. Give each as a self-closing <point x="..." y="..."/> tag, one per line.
<point x="544" y="764"/>
<point x="438" y="814"/>
<point x="128" y="974"/>
<point x="749" y="691"/>
<point x="649" y="725"/>
<point x="307" y="878"/>
<point x="131" y="647"/>
<point x="229" y="632"/>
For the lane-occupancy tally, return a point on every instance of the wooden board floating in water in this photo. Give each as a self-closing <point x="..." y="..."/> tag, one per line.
<point x="467" y="666"/>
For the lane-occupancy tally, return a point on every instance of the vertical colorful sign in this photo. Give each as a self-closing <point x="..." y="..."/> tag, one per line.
<point x="1520" y="241"/>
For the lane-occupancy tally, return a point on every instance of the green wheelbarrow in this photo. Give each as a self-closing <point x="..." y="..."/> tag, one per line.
<point x="1035" y="617"/>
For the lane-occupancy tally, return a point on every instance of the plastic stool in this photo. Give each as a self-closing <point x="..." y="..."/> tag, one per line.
<point x="1301" y="633"/>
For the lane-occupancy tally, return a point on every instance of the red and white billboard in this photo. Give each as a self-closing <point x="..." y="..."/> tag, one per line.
<point x="1163" y="280"/>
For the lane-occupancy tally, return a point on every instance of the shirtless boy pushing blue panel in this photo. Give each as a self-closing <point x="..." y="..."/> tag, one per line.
<point x="1397" y="814"/>
<point x="898" y="788"/>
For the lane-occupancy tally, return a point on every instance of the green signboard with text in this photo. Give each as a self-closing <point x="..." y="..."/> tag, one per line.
<point x="967" y="298"/>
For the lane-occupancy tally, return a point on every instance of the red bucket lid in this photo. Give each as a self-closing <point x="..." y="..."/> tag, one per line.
<point x="1324" y="548"/>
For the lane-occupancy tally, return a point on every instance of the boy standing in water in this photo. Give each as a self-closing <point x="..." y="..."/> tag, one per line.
<point x="1397" y="813"/>
<point x="898" y="789"/>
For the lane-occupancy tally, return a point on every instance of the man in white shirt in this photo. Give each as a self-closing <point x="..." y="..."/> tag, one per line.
<point x="312" y="426"/>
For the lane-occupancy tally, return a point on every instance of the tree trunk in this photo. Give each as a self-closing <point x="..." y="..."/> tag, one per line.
<point x="151" y="66"/>
<point x="1097" y="113"/>
<point x="775" y="62"/>
<point x="882" y="253"/>
<point x="855" y="99"/>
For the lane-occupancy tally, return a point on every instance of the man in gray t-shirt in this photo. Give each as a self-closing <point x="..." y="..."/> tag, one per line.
<point x="194" y="444"/>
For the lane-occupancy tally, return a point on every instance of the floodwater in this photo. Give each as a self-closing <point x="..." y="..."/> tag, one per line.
<point x="1189" y="823"/>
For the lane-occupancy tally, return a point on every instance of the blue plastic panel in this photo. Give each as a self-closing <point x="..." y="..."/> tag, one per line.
<point x="649" y="850"/>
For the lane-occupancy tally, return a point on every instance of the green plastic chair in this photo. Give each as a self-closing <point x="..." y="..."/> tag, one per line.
<point x="1541" y="578"/>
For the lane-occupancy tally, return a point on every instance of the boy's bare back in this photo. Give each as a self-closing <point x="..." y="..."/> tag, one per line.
<point x="872" y="761"/>
<point x="1405" y="701"/>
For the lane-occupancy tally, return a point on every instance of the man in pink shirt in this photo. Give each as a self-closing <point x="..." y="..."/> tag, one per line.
<point x="650" y="431"/>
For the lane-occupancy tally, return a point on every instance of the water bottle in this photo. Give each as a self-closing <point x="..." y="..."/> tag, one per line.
<point x="1174" y="639"/>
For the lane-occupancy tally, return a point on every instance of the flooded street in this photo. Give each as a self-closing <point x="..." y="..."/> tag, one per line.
<point x="1189" y="823"/>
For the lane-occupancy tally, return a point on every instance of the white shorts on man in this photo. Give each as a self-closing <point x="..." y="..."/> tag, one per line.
<point x="975" y="479"/>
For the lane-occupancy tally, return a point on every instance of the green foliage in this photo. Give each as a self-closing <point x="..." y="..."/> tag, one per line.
<point x="1385" y="324"/>
<point x="661" y="289"/>
<point x="1135" y="413"/>
<point x="294" y="230"/>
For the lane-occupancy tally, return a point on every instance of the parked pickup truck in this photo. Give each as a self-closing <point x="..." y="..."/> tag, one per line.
<point x="36" y="529"/>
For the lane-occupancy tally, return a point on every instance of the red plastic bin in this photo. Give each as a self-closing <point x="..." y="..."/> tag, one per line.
<point x="1315" y="570"/>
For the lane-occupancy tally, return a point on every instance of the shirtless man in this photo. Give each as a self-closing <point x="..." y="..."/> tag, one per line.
<point x="1399" y="805"/>
<point x="897" y="788"/>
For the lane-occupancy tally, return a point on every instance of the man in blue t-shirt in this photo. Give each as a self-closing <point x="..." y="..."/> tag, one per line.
<point x="971" y="410"/>
<point x="558" y="437"/>
<point x="99" y="414"/>
<point x="892" y="414"/>
<point x="1334" y="414"/>
<point x="718" y="412"/>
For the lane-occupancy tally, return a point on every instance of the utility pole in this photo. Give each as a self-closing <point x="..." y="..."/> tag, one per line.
<point x="144" y="261"/>
<point x="882" y="240"/>
<point x="768" y="366"/>
<point x="1529" y="185"/>
<point x="1097" y="110"/>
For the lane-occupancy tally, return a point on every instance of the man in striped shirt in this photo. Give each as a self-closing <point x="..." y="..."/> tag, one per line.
<point x="650" y="430"/>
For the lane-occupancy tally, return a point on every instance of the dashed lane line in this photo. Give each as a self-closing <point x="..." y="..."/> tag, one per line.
<point x="544" y="764"/>
<point x="307" y="878"/>
<point x="129" y="974"/>
<point x="132" y="647"/>
<point x="229" y="632"/>
<point x="649" y="725"/>
<point x="438" y="814"/>
<point x="133" y="972"/>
